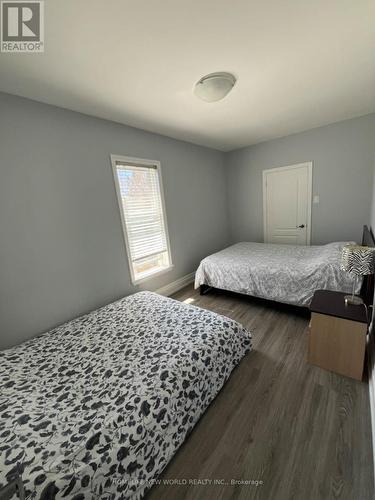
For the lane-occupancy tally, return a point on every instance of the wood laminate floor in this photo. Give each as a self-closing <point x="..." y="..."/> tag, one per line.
<point x="302" y="431"/>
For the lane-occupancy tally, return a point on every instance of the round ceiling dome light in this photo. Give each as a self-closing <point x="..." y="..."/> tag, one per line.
<point x="214" y="87"/>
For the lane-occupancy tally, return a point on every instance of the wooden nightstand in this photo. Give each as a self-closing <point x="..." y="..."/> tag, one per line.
<point x="337" y="337"/>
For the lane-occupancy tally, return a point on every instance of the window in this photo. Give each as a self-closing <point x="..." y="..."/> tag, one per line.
<point x="140" y="196"/>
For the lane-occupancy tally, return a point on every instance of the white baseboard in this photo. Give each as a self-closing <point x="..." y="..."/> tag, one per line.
<point x="175" y="286"/>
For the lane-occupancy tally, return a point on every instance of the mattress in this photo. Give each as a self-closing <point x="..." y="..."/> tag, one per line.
<point x="283" y="273"/>
<point x="97" y="407"/>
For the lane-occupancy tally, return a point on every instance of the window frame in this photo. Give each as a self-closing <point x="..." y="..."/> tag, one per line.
<point x="141" y="162"/>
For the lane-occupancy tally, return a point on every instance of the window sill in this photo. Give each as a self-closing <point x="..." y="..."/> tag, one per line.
<point x="152" y="275"/>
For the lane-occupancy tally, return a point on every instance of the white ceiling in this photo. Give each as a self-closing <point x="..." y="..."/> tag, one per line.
<point x="299" y="63"/>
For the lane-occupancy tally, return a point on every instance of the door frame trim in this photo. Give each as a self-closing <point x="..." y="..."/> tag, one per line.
<point x="309" y="165"/>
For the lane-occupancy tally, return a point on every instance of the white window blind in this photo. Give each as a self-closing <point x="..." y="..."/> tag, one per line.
<point x="141" y="203"/>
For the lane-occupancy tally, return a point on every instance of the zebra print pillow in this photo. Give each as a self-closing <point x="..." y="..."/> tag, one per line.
<point x="358" y="260"/>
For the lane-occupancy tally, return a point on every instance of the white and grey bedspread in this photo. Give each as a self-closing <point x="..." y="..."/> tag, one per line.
<point x="284" y="273"/>
<point x="97" y="407"/>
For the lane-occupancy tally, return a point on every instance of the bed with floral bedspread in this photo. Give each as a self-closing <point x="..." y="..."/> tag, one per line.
<point x="282" y="273"/>
<point x="96" y="408"/>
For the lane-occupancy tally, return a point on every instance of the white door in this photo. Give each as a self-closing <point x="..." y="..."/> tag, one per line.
<point x="287" y="204"/>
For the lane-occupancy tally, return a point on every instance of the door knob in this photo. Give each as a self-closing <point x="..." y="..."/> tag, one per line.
<point x="301" y="226"/>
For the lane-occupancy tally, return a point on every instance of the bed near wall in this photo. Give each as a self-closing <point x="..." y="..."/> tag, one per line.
<point x="96" y="408"/>
<point x="284" y="273"/>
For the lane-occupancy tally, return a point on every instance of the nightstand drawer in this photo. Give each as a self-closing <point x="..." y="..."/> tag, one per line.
<point x="337" y="344"/>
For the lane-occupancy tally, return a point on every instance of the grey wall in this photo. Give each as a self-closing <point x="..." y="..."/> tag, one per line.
<point x="342" y="156"/>
<point x="372" y="208"/>
<point x="62" y="251"/>
<point x="371" y="341"/>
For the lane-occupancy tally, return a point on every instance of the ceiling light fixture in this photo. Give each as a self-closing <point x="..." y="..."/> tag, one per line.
<point x="215" y="86"/>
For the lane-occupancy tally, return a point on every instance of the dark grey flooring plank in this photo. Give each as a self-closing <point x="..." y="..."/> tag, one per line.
<point x="303" y="431"/>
